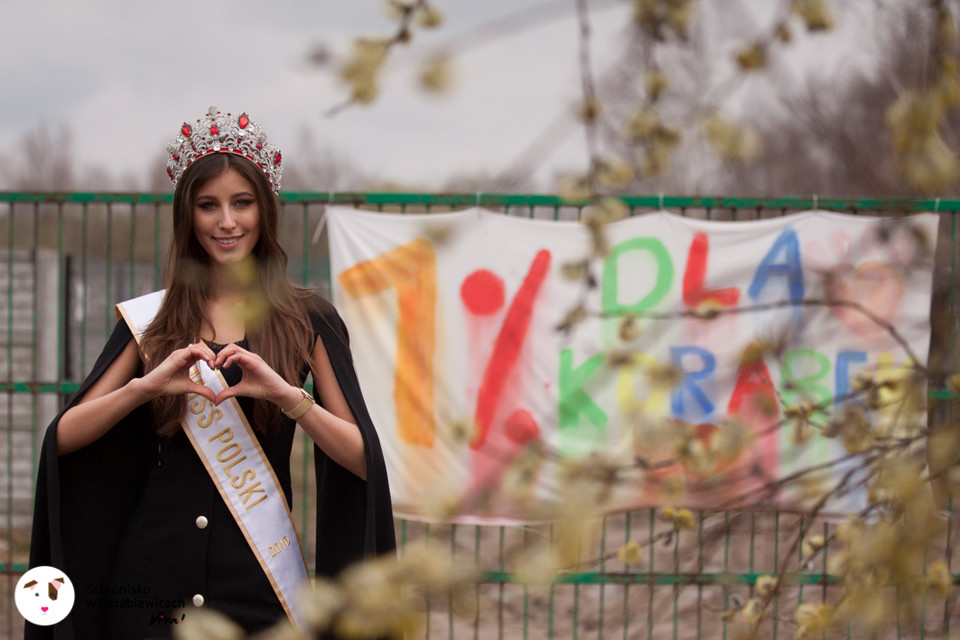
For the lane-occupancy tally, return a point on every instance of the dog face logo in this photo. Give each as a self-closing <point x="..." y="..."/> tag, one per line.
<point x="44" y="595"/>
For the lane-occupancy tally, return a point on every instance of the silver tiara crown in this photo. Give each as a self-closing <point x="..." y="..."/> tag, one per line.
<point x="219" y="132"/>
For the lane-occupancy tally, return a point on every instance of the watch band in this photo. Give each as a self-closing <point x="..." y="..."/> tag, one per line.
<point x="302" y="407"/>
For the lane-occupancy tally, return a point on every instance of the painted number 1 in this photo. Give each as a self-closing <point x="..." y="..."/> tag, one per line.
<point x="411" y="270"/>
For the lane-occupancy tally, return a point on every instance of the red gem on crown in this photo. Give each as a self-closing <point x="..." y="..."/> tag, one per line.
<point x="186" y="130"/>
<point x="170" y="173"/>
<point x="276" y="160"/>
<point x="243" y="120"/>
<point x="214" y="129"/>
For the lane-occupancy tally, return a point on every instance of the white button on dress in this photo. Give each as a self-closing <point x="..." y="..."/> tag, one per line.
<point x="198" y="600"/>
<point x="202" y="522"/>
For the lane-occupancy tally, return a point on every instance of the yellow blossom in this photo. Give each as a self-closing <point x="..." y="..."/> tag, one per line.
<point x="536" y="567"/>
<point x="461" y="431"/>
<point x="575" y="187"/>
<point x="709" y="309"/>
<point x="576" y="271"/>
<point x="519" y="480"/>
<point x="630" y="553"/>
<point x="681" y="518"/>
<point x="436" y="75"/>
<point x="814" y="13"/>
<point x="629" y="328"/>
<point x="953" y="480"/>
<point x="320" y="600"/>
<point x="933" y="167"/>
<point x="614" y="173"/>
<point x="397" y="9"/>
<point x="574" y="317"/>
<point x="679" y="14"/>
<point x="642" y="124"/>
<point x="948" y="87"/>
<point x="853" y="427"/>
<point x="664" y="376"/>
<point x="695" y="456"/>
<point x="362" y="70"/>
<point x="811" y="545"/>
<point x="801" y="429"/>
<point x="429" y="16"/>
<point x="655" y="82"/>
<point x="953" y="384"/>
<point x="939" y="578"/>
<point x="730" y="440"/>
<point x="783" y="33"/>
<point x="208" y="624"/>
<point x="838" y="564"/>
<point x="813" y="620"/>
<point x="732" y="141"/>
<point x="605" y="211"/>
<point x="766" y="585"/>
<point x="590" y="110"/>
<point x="805" y="612"/>
<point x="912" y="118"/>
<point x="752" y="611"/>
<point x="753" y="57"/>
<point x="655" y="161"/>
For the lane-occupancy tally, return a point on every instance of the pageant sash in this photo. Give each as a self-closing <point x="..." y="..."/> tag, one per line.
<point x="230" y="451"/>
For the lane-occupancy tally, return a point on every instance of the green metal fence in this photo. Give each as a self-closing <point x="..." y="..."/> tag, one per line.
<point x="66" y="258"/>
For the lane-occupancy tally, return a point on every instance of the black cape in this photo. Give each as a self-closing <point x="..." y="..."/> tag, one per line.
<point x="84" y="499"/>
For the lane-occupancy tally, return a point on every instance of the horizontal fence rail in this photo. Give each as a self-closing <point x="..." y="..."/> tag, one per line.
<point x="67" y="258"/>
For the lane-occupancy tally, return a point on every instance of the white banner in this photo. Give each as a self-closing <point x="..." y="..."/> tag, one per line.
<point x="455" y="324"/>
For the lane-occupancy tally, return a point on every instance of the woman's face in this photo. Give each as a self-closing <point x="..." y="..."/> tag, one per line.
<point x="226" y="218"/>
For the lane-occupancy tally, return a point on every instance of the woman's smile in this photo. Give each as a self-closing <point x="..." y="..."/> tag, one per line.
<point x="228" y="242"/>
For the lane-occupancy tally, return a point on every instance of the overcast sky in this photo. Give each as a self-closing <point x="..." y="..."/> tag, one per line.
<point x="123" y="75"/>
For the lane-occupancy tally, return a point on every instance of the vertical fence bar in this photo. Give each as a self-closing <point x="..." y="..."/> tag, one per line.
<point x="476" y="587"/>
<point x="84" y="277"/>
<point x="453" y="555"/>
<point x="676" y="582"/>
<point x="726" y="567"/>
<point x="603" y="571"/>
<point x="651" y="514"/>
<point x="304" y="438"/>
<point x="500" y="586"/>
<point x="776" y="563"/>
<point x="133" y="250"/>
<point x="626" y="586"/>
<point x="108" y="254"/>
<point x="700" y="519"/>
<point x="11" y="229"/>
<point x="35" y="329"/>
<point x="156" y="245"/>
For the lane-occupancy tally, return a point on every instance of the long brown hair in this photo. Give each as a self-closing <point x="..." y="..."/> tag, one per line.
<point x="282" y="335"/>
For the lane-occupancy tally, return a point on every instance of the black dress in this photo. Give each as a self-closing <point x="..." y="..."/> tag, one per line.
<point x="120" y="516"/>
<point x="181" y="515"/>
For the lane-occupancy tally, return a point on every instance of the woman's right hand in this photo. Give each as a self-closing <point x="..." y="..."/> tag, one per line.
<point x="118" y="391"/>
<point x="172" y="376"/>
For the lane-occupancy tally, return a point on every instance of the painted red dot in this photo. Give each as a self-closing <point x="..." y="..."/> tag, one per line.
<point x="522" y="427"/>
<point x="482" y="292"/>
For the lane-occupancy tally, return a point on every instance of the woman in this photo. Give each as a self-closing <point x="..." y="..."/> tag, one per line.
<point x="165" y="478"/>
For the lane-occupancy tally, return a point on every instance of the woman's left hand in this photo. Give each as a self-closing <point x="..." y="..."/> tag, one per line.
<point x="258" y="379"/>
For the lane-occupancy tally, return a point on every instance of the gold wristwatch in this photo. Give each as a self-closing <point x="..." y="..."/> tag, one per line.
<point x="302" y="407"/>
